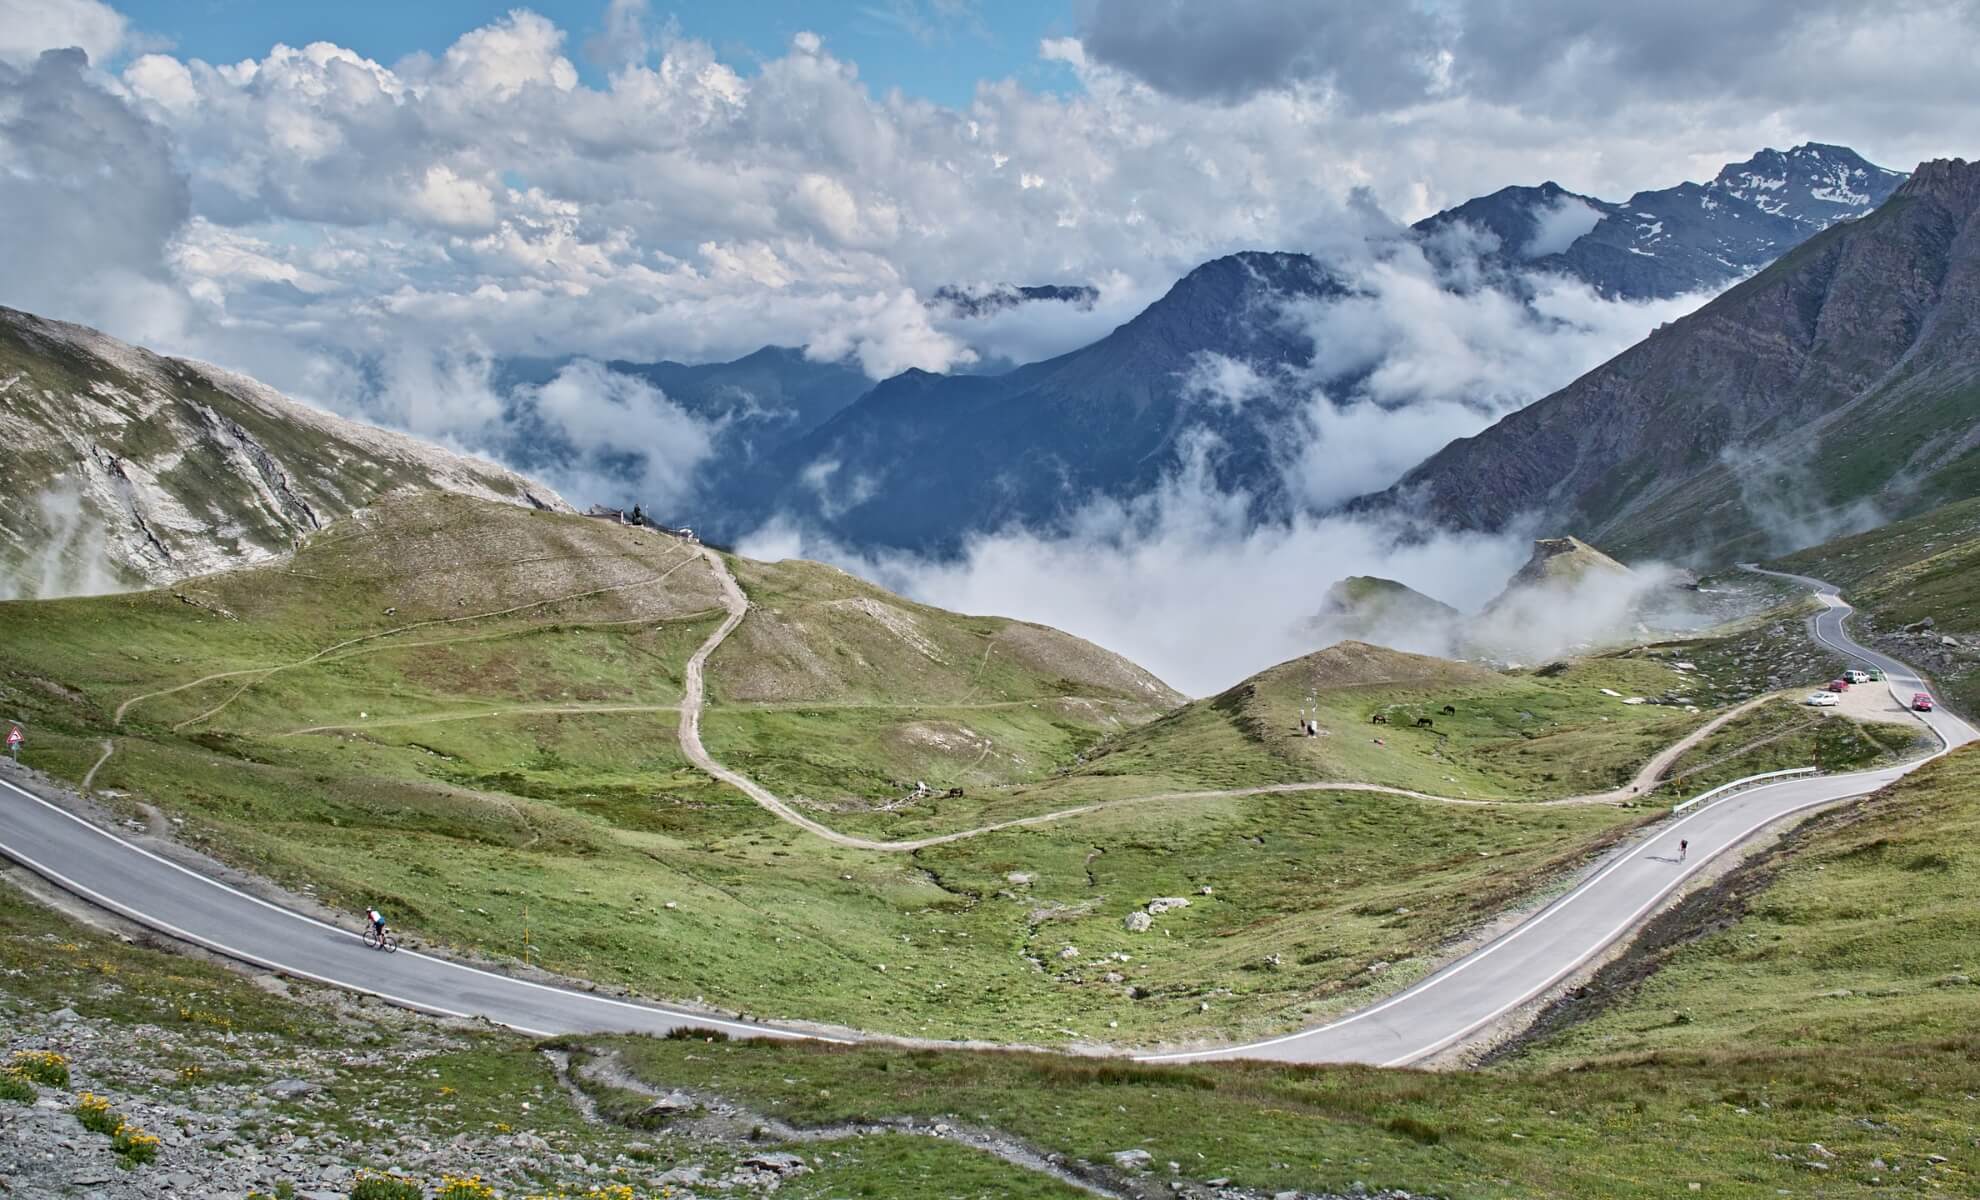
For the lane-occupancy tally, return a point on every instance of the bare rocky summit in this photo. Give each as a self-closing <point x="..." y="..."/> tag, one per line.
<point x="126" y="468"/>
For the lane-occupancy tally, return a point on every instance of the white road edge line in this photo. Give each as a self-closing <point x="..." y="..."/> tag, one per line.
<point x="1610" y="938"/>
<point x="1558" y="905"/>
<point x="1833" y="602"/>
<point x="165" y="927"/>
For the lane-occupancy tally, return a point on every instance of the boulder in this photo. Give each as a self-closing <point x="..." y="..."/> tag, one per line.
<point x="777" y="1164"/>
<point x="1139" y="922"/>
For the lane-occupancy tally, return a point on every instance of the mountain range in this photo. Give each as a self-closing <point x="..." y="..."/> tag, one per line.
<point x="1835" y="389"/>
<point x="922" y="459"/>
<point x="1214" y="373"/>
<point x="1688" y="238"/>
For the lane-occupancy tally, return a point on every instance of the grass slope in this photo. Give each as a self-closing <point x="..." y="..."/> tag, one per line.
<point x="1513" y="735"/>
<point x="464" y="712"/>
<point x="1739" y="1119"/>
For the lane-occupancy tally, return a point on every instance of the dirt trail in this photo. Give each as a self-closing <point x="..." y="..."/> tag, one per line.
<point x="693" y="702"/>
<point x="519" y="710"/>
<point x="1652" y="773"/>
<point x="109" y="748"/>
<point x="256" y="674"/>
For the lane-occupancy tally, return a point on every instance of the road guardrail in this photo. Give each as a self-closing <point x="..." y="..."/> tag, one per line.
<point x="1723" y="788"/>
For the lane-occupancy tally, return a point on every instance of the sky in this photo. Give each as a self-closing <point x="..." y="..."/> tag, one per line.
<point x="314" y="192"/>
<point x="933" y="51"/>
<point x="369" y="205"/>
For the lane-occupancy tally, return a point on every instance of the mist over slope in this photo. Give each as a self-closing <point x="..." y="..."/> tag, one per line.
<point x="1832" y="391"/>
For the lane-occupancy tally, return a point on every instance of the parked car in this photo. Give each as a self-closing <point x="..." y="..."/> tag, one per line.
<point x="1857" y="676"/>
<point x="1823" y="700"/>
<point x="1838" y="685"/>
<point x="1921" y="703"/>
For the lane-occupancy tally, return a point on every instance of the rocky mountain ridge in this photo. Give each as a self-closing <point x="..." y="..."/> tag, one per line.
<point x="126" y="468"/>
<point x="1674" y="240"/>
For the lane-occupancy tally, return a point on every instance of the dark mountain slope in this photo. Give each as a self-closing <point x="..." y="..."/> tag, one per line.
<point x="1848" y="372"/>
<point x="923" y="459"/>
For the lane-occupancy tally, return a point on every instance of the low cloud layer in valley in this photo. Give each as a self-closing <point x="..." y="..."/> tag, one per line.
<point x="1184" y="583"/>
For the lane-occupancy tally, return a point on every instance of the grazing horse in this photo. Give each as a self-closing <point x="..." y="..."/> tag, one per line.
<point x="1450" y="710"/>
<point x="1422" y="722"/>
<point x="1379" y="719"/>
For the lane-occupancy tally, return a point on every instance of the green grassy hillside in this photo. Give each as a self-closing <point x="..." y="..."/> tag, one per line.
<point x="1522" y="735"/>
<point x="163" y="1037"/>
<point x="468" y="712"/>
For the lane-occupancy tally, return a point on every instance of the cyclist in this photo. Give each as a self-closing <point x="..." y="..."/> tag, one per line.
<point x="1683" y="846"/>
<point x="377" y="920"/>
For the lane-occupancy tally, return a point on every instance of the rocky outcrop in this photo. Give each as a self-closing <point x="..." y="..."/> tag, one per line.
<point x="125" y="468"/>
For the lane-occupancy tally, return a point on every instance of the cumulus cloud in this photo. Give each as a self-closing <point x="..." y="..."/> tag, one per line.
<point x="93" y="197"/>
<point x="1547" y="56"/>
<point x="688" y="208"/>
<point x="27" y="27"/>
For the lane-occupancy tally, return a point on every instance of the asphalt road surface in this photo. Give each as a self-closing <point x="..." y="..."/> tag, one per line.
<point x="1439" y="1011"/>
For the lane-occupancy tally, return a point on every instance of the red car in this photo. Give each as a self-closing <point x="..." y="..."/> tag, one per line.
<point x="1838" y="685"/>
<point x="1921" y="703"/>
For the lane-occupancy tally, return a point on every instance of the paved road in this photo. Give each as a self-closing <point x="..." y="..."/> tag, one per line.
<point x="104" y="868"/>
<point x="1471" y="993"/>
<point x="127" y="879"/>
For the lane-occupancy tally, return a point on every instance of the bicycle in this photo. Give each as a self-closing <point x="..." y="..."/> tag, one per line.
<point x="386" y="941"/>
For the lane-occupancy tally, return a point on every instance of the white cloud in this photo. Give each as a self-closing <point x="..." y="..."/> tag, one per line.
<point x="369" y="235"/>
<point x="27" y="27"/>
<point x="1560" y="224"/>
<point x="448" y="200"/>
<point x="1179" y="580"/>
<point x="1224" y="382"/>
<point x="606" y="416"/>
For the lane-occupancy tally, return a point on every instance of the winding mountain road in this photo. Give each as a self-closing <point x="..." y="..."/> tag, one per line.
<point x="109" y="870"/>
